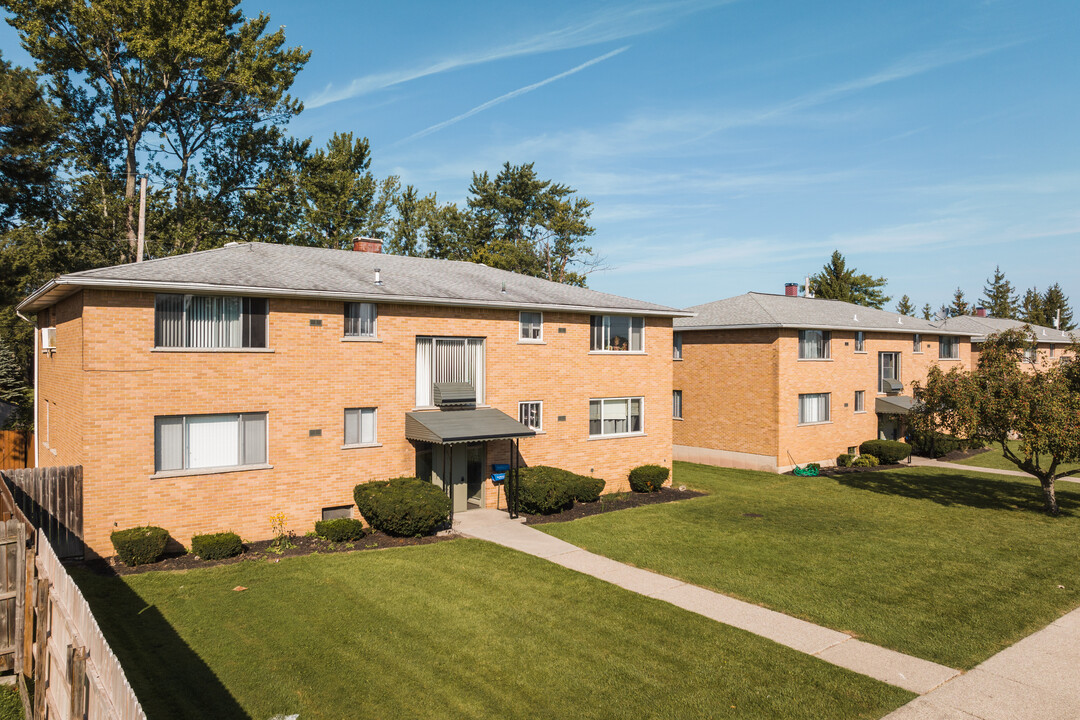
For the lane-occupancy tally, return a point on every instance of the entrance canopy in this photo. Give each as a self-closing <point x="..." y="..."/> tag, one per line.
<point x="894" y="405"/>
<point x="457" y="426"/>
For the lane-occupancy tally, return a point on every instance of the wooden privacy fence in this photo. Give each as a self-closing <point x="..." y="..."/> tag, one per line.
<point x="16" y="449"/>
<point x="52" y="500"/>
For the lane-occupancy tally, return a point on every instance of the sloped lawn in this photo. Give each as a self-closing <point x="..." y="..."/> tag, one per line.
<point x="458" y="629"/>
<point x="947" y="566"/>
<point x="995" y="459"/>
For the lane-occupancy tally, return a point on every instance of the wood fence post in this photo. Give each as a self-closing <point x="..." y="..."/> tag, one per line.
<point x="77" y="664"/>
<point x="41" y="661"/>
<point x="29" y="591"/>
<point x="20" y="596"/>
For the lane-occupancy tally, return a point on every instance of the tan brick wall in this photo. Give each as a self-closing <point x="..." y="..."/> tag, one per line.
<point x="729" y="381"/>
<point x="60" y="424"/>
<point x="307" y="381"/>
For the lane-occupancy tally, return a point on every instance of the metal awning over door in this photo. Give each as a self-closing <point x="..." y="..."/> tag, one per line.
<point x="444" y="427"/>
<point x="895" y="405"/>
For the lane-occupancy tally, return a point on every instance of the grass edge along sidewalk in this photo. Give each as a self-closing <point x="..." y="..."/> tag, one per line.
<point x="947" y="566"/>
<point x="455" y="629"/>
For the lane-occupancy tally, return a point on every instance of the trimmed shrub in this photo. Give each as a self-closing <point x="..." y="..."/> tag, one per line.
<point x="586" y="489"/>
<point x="887" y="451"/>
<point x="340" y="529"/>
<point x="844" y="460"/>
<point x="404" y="506"/>
<point x="140" y="545"/>
<point x="865" y="461"/>
<point x="648" y="478"/>
<point x="546" y="490"/>
<point x="216" y="546"/>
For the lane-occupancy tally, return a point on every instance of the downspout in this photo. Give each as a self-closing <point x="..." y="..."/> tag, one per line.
<point x="35" y="435"/>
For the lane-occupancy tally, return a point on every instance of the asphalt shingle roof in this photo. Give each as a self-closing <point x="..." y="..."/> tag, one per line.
<point x="767" y="310"/>
<point x="981" y="327"/>
<point x="307" y="271"/>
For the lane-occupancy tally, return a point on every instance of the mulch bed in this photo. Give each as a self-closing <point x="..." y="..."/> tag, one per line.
<point x="261" y="551"/>
<point x="613" y="502"/>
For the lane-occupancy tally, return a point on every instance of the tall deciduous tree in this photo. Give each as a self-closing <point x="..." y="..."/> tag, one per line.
<point x="1001" y="400"/>
<point x="1053" y="301"/>
<point x="999" y="296"/>
<point x="182" y="79"/>
<point x="904" y="307"/>
<point x="29" y="129"/>
<point x="837" y="281"/>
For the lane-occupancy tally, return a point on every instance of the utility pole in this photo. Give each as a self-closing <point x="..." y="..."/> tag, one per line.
<point x="142" y="220"/>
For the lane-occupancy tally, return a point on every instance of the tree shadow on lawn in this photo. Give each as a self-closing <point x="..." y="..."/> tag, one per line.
<point x="947" y="488"/>
<point x="168" y="677"/>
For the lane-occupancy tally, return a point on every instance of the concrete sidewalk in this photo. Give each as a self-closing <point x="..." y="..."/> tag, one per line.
<point x="927" y="462"/>
<point x="1038" y="678"/>
<point x="911" y="673"/>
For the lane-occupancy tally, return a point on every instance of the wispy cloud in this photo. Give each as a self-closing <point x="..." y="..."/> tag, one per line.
<point x="513" y="94"/>
<point x="607" y="25"/>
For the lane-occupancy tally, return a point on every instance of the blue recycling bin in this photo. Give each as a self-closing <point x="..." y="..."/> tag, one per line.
<point x="498" y="472"/>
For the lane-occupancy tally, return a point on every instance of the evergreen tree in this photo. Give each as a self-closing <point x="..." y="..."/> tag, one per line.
<point x="904" y="307"/>
<point x="1054" y="300"/>
<point x="927" y="312"/>
<point x="999" y="296"/>
<point x="837" y="281"/>
<point x="959" y="304"/>
<point x="14" y="390"/>
<point x="29" y="128"/>
<point x="1031" y="308"/>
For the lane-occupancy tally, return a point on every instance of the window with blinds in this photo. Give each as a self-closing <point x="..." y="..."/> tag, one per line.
<point x="617" y="333"/>
<point x="448" y="359"/>
<point x="531" y="415"/>
<point x="676" y="404"/>
<point x="360" y="426"/>
<point x="209" y="321"/>
<point x="813" y="408"/>
<point x="360" y="319"/>
<point x="195" y="442"/>
<point x="615" y="416"/>
<point x="948" y="347"/>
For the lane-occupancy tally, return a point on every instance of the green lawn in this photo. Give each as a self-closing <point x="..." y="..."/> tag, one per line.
<point x="947" y="566"/>
<point x="995" y="459"/>
<point x="459" y="629"/>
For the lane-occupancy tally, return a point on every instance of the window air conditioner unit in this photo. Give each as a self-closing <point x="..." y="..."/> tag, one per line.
<point x="48" y="338"/>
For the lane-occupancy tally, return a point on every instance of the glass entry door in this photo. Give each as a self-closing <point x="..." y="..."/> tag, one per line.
<point x="475" y="474"/>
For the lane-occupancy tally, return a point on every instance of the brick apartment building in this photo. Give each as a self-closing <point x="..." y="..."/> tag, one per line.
<point x="209" y="391"/>
<point x="1052" y="344"/>
<point x="767" y="381"/>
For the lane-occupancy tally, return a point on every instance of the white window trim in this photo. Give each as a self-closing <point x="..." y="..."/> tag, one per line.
<point x="828" y="407"/>
<point x="539" y="430"/>
<point x="673" y="415"/>
<point x="855" y="402"/>
<point x="856" y="341"/>
<point x="361" y="408"/>
<point x="628" y="398"/>
<point x="374" y="337"/>
<point x="678" y="346"/>
<point x="899" y="369"/>
<point x="644" y="326"/>
<point x="531" y="341"/>
<point x="827" y="344"/>
<point x="180" y="472"/>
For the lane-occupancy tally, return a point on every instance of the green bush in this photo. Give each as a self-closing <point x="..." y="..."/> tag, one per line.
<point x="404" y="506"/>
<point x="887" y="451"/>
<point x="865" y="460"/>
<point x="546" y="490"/>
<point x="648" y="478"/>
<point x="216" y="546"/>
<point x="844" y="460"/>
<point x="935" y="445"/>
<point x="140" y="545"/>
<point x="340" y="529"/>
<point x="586" y="489"/>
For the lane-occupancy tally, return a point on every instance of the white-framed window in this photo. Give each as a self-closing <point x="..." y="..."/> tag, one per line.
<point x="209" y="321"/>
<point x="814" y="344"/>
<point x="193" y="442"/>
<point x="676" y="404"/>
<point x="448" y="359"/>
<point x="888" y="369"/>
<point x="860" y="341"/>
<point x="1030" y="354"/>
<point x="676" y="346"/>
<point x="813" y="408"/>
<point x="860" y="401"/>
<point x="618" y="333"/>
<point x="616" y="416"/>
<point x="361" y="319"/>
<point x="361" y="426"/>
<point x="531" y="326"/>
<point x="948" y="347"/>
<point x="916" y="343"/>
<point x="531" y="414"/>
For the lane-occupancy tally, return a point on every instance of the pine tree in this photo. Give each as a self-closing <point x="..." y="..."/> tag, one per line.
<point x="13" y="388"/>
<point x="959" y="304"/>
<point x="927" y="312"/>
<point x="999" y="296"/>
<point x="904" y="307"/>
<point x="837" y="281"/>
<point x="1054" y="300"/>
<point x="1031" y="308"/>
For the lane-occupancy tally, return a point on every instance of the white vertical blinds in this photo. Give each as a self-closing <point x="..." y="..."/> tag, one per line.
<point x="360" y="319"/>
<point x="814" y="408"/>
<point x="423" y="372"/>
<point x="211" y="322"/>
<point x="213" y="441"/>
<point x="445" y="359"/>
<point x="813" y="344"/>
<point x="209" y="441"/>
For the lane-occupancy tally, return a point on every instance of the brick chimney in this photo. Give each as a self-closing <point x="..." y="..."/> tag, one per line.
<point x="366" y="244"/>
<point x="980" y="312"/>
<point x="791" y="289"/>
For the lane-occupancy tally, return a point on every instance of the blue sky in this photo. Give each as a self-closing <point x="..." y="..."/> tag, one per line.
<point x="731" y="146"/>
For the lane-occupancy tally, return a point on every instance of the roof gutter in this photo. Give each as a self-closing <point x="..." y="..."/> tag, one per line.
<point x="30" y="302"/>
<point x="784" y="326"/>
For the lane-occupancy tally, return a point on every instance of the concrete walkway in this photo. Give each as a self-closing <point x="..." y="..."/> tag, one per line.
<point x="1038" y="678"/>
<point x="927" y="462"/>
<point x="911" y="673"/>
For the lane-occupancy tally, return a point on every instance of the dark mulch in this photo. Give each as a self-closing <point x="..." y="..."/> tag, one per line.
<point x="261" y="551"/>
<point x="613" y="502"/>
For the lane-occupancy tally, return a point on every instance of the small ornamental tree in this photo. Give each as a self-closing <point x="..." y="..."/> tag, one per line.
<point x="1004" y="398"/>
